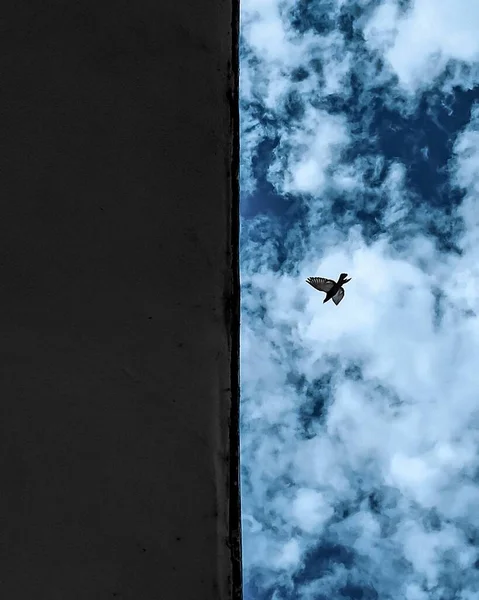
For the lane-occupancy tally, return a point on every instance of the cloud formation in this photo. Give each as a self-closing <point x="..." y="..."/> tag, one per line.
<point x="419" y="43"/>
<point x="359" y="423"/>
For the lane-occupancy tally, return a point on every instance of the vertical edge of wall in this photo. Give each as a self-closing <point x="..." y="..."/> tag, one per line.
<point x="233" y="319"/>
<point x="230" y="410"/>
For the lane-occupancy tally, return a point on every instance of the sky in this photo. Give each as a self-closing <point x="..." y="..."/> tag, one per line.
<point x="360" y="422"/>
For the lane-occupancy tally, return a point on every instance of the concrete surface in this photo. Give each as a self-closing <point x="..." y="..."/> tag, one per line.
<point x="118" y="301"/>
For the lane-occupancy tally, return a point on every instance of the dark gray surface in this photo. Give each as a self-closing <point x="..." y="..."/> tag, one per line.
<point x="118" y="301"/>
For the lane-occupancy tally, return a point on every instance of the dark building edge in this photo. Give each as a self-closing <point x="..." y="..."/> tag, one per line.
<point x="233" y="314"/>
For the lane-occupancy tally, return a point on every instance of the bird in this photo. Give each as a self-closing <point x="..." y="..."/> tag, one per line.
<point x="332" y="288"/>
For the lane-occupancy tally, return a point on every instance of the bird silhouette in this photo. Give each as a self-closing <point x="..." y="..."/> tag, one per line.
<point x="333" y="290"/>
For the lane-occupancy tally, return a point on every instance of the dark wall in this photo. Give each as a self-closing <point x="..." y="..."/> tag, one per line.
<point x="118" y="301"/>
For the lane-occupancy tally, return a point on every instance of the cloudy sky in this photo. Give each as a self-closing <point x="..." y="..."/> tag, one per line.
<point x="360" y="422"/>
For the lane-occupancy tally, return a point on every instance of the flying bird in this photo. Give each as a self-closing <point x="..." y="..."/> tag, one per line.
<point x="332" y="288"/>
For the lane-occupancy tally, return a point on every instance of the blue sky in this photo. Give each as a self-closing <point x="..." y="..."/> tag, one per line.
<point x="360" y="423"/>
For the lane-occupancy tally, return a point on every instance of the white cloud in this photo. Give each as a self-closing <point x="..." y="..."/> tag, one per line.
<point x="310" y="510"/>
<point x="313" y="145"/>
<point x="288" y="556"/>
<point x="419" y="43"/>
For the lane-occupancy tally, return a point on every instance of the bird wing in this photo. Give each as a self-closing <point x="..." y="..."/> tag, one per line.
<point x="338" y="296"/>
<point x="320" y="283"/>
